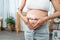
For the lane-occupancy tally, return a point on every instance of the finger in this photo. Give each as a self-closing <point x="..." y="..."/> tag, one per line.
<point x="35" y="27"/>
<point x="26" y="21"/>
<point x="36" y="24"/>
<point x="30" y="26"/>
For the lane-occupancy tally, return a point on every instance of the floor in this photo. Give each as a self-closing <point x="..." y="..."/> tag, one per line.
<point x="8" y="35"/>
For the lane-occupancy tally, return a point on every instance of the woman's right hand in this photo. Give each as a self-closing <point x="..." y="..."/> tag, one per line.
<point x="26" y="20"/>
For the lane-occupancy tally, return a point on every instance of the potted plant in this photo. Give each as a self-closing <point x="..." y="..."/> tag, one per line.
<point x="10" y="23"/>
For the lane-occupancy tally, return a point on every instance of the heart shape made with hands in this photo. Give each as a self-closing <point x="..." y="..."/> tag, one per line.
<point x="36" y="23"/>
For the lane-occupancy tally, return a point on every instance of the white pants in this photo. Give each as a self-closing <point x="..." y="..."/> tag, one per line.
<point x="40" y="34"/>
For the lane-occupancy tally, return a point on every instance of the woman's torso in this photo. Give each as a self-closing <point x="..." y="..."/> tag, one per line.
<point x="36" y="12"/>
<point x="34" y="15"/>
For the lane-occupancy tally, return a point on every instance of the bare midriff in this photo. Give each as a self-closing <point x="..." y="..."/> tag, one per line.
<point x="34" y="15"/>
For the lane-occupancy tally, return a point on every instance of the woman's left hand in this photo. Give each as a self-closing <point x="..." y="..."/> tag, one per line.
<point x="40" y="22"/>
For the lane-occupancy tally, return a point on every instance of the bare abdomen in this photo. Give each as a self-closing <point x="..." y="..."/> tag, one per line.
<point x="34" y="15"/>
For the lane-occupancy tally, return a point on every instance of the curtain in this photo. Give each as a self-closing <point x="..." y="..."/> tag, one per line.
<point x="8" y="8"/>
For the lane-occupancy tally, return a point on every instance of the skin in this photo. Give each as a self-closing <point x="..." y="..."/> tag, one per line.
<point x="42" y="18"/>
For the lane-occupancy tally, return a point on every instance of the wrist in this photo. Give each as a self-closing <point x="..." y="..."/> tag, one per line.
<point x="48" y="17"/>
<point x="20" y="9"/>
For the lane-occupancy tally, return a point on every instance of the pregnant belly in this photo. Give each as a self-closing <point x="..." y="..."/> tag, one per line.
<point x="34" y="15"/>
<point x="32" y="21"/>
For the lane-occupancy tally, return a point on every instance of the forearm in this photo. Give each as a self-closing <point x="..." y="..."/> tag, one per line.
<point x="23" y="2"/>
<point x="20" y="13"/>
<point x="54" y="15"/>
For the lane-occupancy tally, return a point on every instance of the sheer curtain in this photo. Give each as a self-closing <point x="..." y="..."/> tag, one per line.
<point x="8" y="8"/>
